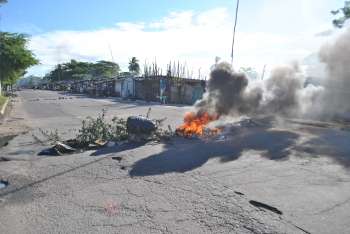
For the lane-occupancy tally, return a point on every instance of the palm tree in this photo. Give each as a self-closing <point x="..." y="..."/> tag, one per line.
<point x="134" y="66"/>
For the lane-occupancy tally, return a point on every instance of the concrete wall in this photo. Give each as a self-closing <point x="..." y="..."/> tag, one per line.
<point x="118" y="88"/>
<point x="147" y="89"/>
<point x="160" y="88"/>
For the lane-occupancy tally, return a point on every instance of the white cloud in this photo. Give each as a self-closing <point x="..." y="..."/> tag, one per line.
<point x="191" y="37"/>
<point x="127" y="26"/>
<point x="176" y="20"/>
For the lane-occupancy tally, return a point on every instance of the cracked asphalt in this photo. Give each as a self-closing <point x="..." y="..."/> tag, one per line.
<point x="184" y="186"/>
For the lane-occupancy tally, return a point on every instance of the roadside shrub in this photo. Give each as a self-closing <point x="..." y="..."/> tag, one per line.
<point x="118" y="130"/>
<point x="100" y="129"/>
<point x="52" y="136"/>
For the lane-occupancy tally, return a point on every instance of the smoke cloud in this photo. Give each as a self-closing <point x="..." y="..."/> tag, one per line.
<point x="336" y="57"/>
<point x="285" y="93"/>
<point x="230" y="93"/>
<point x="282" y="91"/>
<point x="227" y="93"/>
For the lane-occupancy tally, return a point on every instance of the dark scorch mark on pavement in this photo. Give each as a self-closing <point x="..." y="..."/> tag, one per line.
<point x="265" y="206"/>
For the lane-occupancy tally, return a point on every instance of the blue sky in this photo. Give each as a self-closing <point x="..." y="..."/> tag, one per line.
<point x="49" y="15"/>
<point x="192" y="31"/>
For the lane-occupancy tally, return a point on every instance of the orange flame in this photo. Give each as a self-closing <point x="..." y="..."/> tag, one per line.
<point x="195" y="125"/>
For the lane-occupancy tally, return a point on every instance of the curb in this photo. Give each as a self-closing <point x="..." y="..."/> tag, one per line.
<point x="3" y="109"/>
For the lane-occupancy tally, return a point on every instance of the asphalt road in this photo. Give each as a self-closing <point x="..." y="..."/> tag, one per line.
<point x="184" y="186"/>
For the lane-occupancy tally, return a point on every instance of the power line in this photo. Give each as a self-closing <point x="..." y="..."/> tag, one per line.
<point x="234" y="31"/>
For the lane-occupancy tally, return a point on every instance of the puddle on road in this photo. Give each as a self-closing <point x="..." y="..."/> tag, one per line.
<point x="3" y="184"/>
<point x="4" y="140"/>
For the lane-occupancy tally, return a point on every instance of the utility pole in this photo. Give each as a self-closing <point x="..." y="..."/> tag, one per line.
<point x="263" y="72"/>
<point x="111" y="52"/>
<point x="234" y="32"/>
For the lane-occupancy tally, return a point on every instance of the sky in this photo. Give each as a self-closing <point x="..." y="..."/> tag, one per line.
<point x="194" y="32"/>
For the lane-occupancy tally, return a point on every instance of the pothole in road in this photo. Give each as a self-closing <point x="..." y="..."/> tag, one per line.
<point x="117" y="158"/>
<point x="3" y="159"/>
<point x="4" y="140"/>
<point x="3" y="184"/>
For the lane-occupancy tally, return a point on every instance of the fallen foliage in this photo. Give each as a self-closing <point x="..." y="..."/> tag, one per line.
<point x="97" y="132"/>
<point x="100" y="129"/>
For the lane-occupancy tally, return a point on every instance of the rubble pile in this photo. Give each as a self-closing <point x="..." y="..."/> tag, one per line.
<point x="140" y="128"/>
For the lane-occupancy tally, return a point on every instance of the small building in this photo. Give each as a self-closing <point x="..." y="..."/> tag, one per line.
<point x="118" y="87"/>
<point x="104" y="87"/>
<point x="128" y="87"/>
<point x="169" y="90"/>
<point x="193" y="90"/>
<point x="147" y="89"/>
<point x="162" y="89"/>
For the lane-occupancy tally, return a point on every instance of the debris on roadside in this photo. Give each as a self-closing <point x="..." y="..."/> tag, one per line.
<point x="74" y="143"/>
<point x="98" y="133"/>
<point x="58" y="149"/>
<point x="3" y="184"/>
<point x="140" y="128"/>
<point x="97" y="144"/>
<point x="49" y="152"/>
<point x="100" y="142"/>
<point x="118" y="158"/>
<point x="64" y="149"/>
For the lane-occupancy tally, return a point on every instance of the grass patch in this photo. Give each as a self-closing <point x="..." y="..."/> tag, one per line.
<point x="2" y="101"/>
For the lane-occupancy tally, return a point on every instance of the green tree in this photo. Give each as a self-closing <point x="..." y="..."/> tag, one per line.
<point x="345" y="14"/>
<point x="15" y="58"/>
<point x="76" y="70"/>
<point x="73" y="70"/>
<point x="134" y="66"/>
<point x="105" y="69"/>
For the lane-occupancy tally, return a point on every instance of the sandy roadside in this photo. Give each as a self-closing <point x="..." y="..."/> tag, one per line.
<point x="13" y="122"/>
